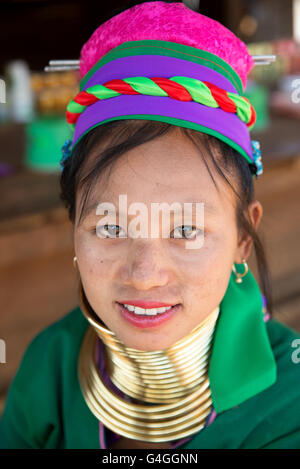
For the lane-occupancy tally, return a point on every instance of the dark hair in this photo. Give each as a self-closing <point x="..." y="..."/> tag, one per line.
<point x="81" y="171"/>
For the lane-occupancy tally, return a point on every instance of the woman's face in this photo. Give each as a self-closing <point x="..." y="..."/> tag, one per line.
<point x="161" y="269"/>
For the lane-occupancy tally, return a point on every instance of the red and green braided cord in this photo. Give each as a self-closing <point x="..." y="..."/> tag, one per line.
<point x="179" y="87"/>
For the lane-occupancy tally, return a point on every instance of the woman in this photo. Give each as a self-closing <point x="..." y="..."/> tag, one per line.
<point x="173" y="344"/>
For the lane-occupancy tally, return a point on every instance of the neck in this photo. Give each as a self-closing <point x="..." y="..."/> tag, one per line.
<point x="161" y="376"/>
<point x="171" y="386"/>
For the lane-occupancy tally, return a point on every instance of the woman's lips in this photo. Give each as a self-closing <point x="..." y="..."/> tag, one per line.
<point x="147" y="303"/>
<point x="144" y="321"/>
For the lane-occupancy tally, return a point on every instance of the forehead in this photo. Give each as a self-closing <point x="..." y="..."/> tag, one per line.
<point x="166" y="169"/>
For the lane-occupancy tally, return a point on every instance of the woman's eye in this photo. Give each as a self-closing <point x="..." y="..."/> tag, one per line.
<point x="108" y="231"/>
<point x="185" y="231"/>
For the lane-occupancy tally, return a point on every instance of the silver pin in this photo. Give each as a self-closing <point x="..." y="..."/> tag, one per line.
<point x="60" y="68"/>
<point x="263" y="59"/>
<point x="63" y="62"/>
<point x="63" y="65"/>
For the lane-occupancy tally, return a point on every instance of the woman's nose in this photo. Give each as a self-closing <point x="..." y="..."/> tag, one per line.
<point x="147" y="265"/>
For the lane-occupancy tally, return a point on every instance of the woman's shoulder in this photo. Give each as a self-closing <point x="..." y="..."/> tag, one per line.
<point x="269" y="419"/>
<point x="50" y="353"/>
<point x="272" y="416"/>
<point x="32" y="414"/>
<point x="285" y="343"/>
<point x="278" y="407"/>
<point x="51" y="350"/>
<point x="63" y="334"/>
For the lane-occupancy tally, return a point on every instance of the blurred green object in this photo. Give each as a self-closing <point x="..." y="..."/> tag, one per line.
<point x="258" y="96"/>
<point x="44" y="138"/>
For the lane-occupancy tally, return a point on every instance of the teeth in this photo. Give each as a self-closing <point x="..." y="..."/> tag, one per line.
<point x="152" y="311"/>
<point x="162" y="310"/>
<point x="148" y="311"/>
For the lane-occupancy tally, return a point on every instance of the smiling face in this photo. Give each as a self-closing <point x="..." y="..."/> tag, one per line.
<point x="167" y="169"/>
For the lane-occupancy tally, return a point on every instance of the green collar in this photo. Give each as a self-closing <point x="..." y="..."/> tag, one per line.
<point x="242" y="363"/>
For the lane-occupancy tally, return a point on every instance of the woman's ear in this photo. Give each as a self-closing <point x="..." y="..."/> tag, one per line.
<point x="245" y="243"/>
<point x="256" y="213"/>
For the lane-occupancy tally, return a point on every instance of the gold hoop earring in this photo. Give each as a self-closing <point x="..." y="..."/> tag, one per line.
<point x="239" y="275"/>
<point x="75" y="262"/>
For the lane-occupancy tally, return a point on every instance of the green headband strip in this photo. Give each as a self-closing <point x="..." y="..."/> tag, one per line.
<point x="170" y="49"/>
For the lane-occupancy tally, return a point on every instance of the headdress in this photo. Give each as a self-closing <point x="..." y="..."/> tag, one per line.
<point x="165" y="62"/>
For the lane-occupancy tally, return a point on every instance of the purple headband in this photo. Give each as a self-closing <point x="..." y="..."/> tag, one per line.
<point x="215" y="119"/>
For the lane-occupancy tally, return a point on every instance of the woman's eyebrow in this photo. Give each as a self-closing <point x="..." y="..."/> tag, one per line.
<point x="90" y="208"/>
<point x="208" y="206"/>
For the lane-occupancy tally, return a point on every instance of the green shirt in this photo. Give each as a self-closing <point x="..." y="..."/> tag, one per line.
<point x="254" y="377"/>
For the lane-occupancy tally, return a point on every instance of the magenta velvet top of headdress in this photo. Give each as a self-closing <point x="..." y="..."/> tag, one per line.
<point x="173" y="22"/>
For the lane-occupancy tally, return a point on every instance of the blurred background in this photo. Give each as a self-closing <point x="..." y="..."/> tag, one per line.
<point x="37" y="278"/>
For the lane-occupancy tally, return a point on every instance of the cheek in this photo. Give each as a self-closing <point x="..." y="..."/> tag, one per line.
<point x="207" y="271"/>
<point x="212" y="259"/>
<point x="96" y="271"/>
<point x="94" y="262"/>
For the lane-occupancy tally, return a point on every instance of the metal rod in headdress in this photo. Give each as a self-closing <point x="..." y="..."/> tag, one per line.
<point x="63" y="65"/>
